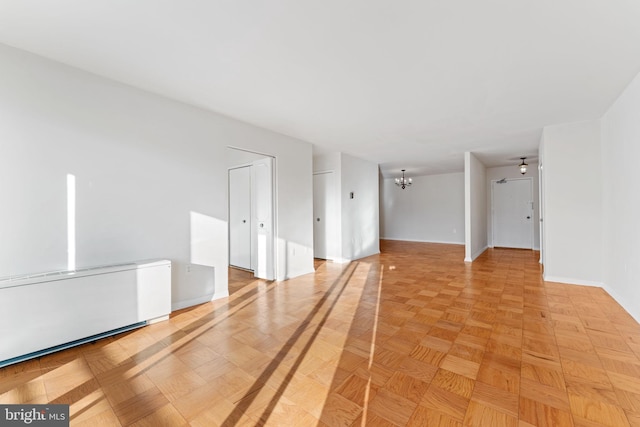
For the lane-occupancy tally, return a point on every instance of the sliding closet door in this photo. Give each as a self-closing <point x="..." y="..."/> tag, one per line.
<point x="240" y="217"/>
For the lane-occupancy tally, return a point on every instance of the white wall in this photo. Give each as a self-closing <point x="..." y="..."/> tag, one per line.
<point x="621" y="197"/>
<point x="573" y="203"/>
<point x="431" y="210"/>
<point x="294" y="206"/>
<point x="513" y="172"/>
<point x="475" y="190"/>
<point x="360" y="215"/>
<point x="151" y="177"/>
<point x="327" y="162"/>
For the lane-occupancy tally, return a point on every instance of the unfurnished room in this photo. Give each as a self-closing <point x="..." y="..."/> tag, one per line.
<point x="289" y="213"/>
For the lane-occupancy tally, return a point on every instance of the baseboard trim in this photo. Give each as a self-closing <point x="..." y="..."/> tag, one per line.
<point x="422" y="241"/>
<point x="295" y="274"/>
<point x="179" y="305"/>
<point x="633" y="311"/>
<point x="572" y="281"/>
<point x="476" y="255"/>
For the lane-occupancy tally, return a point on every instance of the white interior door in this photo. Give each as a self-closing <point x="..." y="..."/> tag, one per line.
<point x="240" y="217"/>
<point x="263" y="218"/>
<point x="512" y="213"/>
<point x="324" y="212"/>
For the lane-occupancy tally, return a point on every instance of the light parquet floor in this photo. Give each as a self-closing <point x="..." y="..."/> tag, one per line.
<point x="411" y="337"/>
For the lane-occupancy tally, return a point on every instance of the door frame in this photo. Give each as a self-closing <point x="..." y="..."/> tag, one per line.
<point x="541" y="189"/>
<point x="263" y="269"/>
<point x="274" y="196"/>
<point x="493" y="216"/>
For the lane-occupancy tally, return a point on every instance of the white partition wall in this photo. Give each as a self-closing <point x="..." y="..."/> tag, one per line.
<point x="573" y="203"/>
<point x="475" y="207"/>
<point x="360" y="208"/>
<point x="621" y="198"/>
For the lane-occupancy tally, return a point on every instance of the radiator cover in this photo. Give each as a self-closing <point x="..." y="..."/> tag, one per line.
<point x="44" y="311"/>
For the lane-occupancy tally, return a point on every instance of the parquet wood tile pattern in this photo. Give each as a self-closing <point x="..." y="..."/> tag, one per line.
<point x="410" y="337"/>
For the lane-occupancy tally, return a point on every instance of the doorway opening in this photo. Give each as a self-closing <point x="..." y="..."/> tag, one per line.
<point x="251" y="201"/>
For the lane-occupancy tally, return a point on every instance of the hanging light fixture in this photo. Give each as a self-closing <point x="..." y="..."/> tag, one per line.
<point x="403" y="182"/>
<point x="523" y="166"/>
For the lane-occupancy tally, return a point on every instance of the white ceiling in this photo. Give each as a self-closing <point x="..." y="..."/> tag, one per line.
<point x="407" y="84"/>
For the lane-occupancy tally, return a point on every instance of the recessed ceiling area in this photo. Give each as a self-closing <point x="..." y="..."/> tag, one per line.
<point x="405" y="84"/>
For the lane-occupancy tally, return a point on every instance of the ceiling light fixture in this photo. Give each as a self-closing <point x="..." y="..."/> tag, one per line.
<point x="523" y="166"/>
<point x="403" y="182"/>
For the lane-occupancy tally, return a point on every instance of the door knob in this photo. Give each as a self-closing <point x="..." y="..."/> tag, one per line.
<point x="528" y="217"/>
<point x="318" y="219"/>
<point x="244" y="221"/>
<point x="261" y="225"/>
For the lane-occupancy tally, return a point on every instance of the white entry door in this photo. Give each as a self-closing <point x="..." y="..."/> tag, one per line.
<point x="324" y="216"/>
<point x="240" y="217"/>
<point x="263" y="218"/>
<point x="512" y="213"/>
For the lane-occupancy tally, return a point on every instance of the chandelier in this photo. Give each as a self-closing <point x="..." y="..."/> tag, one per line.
<point x="403" y="182"/>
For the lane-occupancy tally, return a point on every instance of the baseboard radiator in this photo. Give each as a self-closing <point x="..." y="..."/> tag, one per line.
<point x="43" y="313"/>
